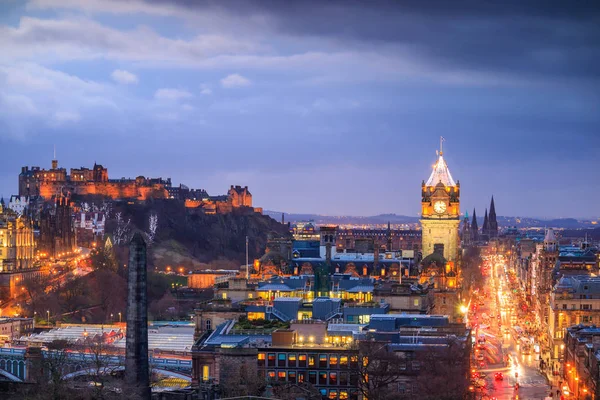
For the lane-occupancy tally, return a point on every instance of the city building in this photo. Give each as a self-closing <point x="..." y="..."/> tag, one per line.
<point x="89" y="227"/>
<point x="575" y="300"/>
<point x="581" y="362"/>
<point x="13" y="328"/>
<point x="17" y="245"/>
<point x="332" y="359"/>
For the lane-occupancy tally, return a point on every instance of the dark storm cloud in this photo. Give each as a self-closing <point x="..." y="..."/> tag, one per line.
<point x="514" y="37"/>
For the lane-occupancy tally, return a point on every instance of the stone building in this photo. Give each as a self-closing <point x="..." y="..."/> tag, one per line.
<point x="240" y="196"/>
<point x="57" y="229"/>
<point x="84" y="181"/>
<point x="17" y="251"/>
<point x="17" y="245"/>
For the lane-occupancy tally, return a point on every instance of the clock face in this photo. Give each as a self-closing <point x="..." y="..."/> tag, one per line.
<point x="439" y="207"/>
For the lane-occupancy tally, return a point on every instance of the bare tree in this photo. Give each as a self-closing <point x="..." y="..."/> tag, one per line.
<point x="152" y="226"/>
<point x="101" y="360"/>
<point x="56" y="360"/>
<point x="378" y="369"/>
<point x="122" y="229"/>
<point x="444" y="371"/>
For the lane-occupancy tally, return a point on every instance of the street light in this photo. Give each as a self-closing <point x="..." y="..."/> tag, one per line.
<point x="111" y="318"/>
<point x="48" y="312"/>
<point x="119" y="317"/>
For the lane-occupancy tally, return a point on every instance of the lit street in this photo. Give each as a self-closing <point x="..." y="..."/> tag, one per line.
<point x="505" y="365"/>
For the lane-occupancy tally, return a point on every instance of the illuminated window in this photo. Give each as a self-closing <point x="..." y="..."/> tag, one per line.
<point x="224" y="295"/>
<point x="311" y="360"/>
<point x="302" y="376"/>
<point x="250" y="295"/>
<point x="205" y="372"/>
<point x="333" y="361"/>
<point x="353" y="361"/>
<point x="281" y="360"/>
<point x="343" y="361"/>
<point x="343" y="395"/>
<point x="302" y="360"/>
<point x="322" y="377"/>
<point x="291" y="360"/>
<point x="261" y="359"/>
<point x="292" y="376"/>
<point x="333" y="394"/>
<point x="281" y="375"/>
<point x="333" y="378"/>
<point x="271" y="360"/>
<point x="271" y="375"/>
<point x="322" y="360"/>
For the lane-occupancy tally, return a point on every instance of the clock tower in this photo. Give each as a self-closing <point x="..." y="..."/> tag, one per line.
<point x="440" y="211"/>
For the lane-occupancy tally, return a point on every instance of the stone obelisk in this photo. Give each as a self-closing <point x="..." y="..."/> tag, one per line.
<point x="137" y="374"/>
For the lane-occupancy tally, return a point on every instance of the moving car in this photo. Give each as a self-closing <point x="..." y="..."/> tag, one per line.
<point x="499" y="376"/>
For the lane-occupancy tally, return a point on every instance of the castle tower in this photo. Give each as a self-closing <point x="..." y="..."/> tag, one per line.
<point x="440" y="211"/>
<point x="474" y="228"/>
<point x="137" y="372"/>
<point x="493" y="224"/>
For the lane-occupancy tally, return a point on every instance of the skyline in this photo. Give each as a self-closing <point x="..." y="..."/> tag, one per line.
<point x="316" y="114"/>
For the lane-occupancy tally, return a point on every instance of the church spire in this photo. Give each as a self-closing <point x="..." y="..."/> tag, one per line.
<point x="486" y="224"/>
<point x="493" y="223"/>
<point x="474" y="227"/>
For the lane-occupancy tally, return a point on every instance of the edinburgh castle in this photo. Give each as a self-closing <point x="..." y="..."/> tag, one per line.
<point x="84" y="181"/>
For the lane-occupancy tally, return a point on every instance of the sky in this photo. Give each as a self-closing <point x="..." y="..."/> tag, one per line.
<point x="319" y="107"/>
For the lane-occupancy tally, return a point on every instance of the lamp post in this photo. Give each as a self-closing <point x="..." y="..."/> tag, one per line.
<point x="111" y="318"/>
<point x="48" y="312"/>
<point x="119" y="317"/>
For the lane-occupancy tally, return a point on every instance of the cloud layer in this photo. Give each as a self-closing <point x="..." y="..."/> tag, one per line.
<point x="331" y="97"/>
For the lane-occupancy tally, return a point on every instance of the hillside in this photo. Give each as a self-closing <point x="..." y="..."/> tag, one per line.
<point x="188" y="238"/>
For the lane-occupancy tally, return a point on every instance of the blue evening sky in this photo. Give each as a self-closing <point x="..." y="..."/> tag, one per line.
<point x="320" y="107"/>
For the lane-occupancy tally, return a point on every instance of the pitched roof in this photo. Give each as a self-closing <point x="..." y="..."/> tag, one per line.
<point x="440" y="173"/>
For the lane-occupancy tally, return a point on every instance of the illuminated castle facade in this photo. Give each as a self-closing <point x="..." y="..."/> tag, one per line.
<point x="85" y="181"/>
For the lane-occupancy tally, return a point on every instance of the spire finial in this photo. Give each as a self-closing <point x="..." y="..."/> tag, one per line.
<point x="442" y="140"/>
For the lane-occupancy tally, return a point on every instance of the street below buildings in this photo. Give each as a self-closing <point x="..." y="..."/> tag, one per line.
<point x="506" y="357"/>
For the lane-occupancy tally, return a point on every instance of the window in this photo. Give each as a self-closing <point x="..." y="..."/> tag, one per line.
<point x="291" y="360"/>
<point x="343" y="379"/>
<point x="564" y="306"/>
<point x="302" y="360"/>
<point x="301" y="376"/>
<point x="343" y="395"/>
<point x="333" y="361"/>
<point x="586" y="306"/>
<point x="312" y="377"/>
<point x="208" y="324"/>
<point x="205" y="372"/>
<point x="271" y="360"/>
<point x="333" y="378"/>
<point x="261" y="359"/>
<point x="354" y="362"/>
<point x="343" y="361"/>
<point x="224" y="294"/>
<point x="292" y="376"/>
<point x="271" y="375"/>
<point x="322" y="377"/>
<point x="416" y="302"/>
<point x="353" y="380"/>
<point x="281" y="375"/>
<point x="322" y="360"/>
<point x="333" y="394"/>
<point x="281" y="360"/>
<point x="311" y="360"/>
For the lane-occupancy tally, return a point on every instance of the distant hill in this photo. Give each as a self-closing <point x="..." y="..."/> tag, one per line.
<point x="520" y="222"/>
